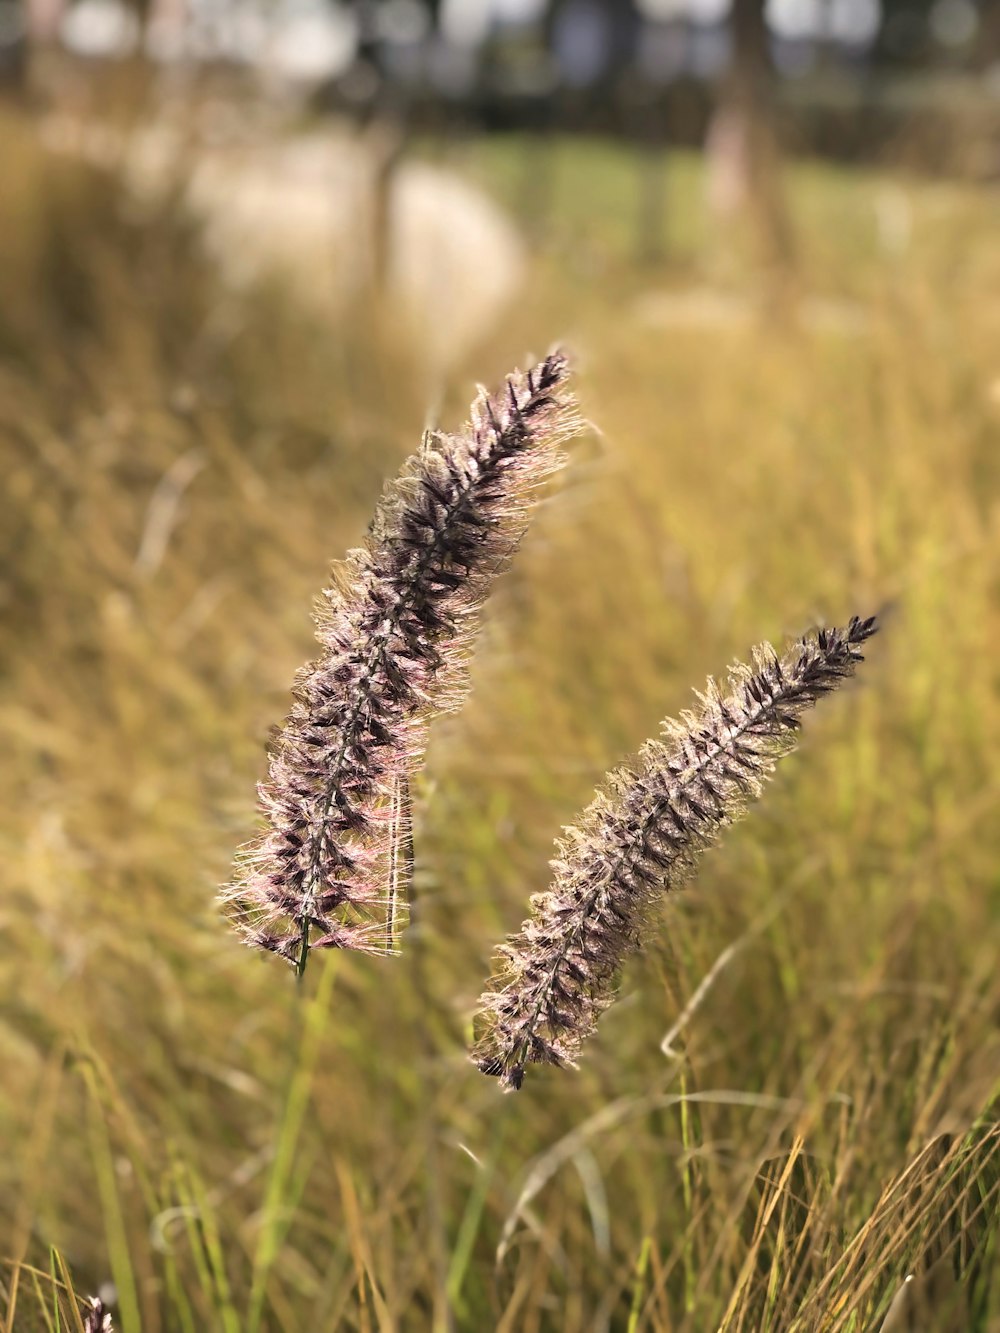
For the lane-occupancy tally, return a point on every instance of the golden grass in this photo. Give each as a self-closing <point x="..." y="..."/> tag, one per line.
<point x="178" y="470"/>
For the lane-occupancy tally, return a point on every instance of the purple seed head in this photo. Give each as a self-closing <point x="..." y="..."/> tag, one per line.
<point x="642" y="835"/>
<point x="395" y="633"/>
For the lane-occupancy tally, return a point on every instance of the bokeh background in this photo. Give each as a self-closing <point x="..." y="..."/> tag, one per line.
<point x="247" y="252"/>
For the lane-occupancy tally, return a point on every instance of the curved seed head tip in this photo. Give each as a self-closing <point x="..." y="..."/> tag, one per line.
<point x="331" y="866"/>
<point x="644" y="834"/>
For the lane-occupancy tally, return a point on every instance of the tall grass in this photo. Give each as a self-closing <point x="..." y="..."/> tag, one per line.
<point x="825" y="1120"/>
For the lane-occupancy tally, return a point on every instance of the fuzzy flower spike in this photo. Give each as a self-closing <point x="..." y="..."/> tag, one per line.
<point x="644" y="833"/>
<point x="395" y="633"/>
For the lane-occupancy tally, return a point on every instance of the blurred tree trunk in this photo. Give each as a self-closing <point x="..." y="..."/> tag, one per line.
<point x="383" y="122"/>
<point x="987" y="51"/>
<point x="744" y="167"/>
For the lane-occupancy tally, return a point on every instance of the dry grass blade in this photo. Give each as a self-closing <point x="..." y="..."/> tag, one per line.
<point x="937" y="1216"/>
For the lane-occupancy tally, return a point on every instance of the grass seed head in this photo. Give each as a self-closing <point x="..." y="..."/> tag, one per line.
<point x="644" y="833"/>
<point x="395" y="633"/>
<point x="98" y="1318"/>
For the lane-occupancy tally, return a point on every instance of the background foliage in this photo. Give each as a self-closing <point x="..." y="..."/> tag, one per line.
<point x="179" y="467"/>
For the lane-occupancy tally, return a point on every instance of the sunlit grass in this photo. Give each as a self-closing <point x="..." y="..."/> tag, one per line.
<point x="235" y="1155"/>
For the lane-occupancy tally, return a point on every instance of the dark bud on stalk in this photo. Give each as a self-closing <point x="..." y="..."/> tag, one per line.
<point x="98" y="1318"/>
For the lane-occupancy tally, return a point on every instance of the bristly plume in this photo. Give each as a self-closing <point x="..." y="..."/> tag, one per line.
<point x="643" y="834"/>
<point x="395" y="633"/>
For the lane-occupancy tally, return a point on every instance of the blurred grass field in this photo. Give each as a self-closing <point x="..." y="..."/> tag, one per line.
<point x="179" y="467"/>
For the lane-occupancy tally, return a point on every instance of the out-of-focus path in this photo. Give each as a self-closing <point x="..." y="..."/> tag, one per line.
<point x="309" y="209"/>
